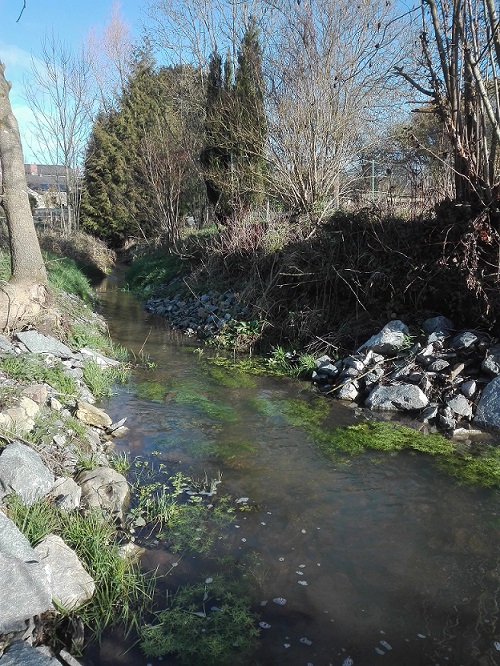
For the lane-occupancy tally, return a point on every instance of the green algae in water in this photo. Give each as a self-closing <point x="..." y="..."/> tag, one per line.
<point x="306" y="414"/>
<point x="154" y="391"/>
<point x="207" y="623"/>
<point x="229" y="376"/>
<point x="215" y="409"/>
<point x="482" y="469"/>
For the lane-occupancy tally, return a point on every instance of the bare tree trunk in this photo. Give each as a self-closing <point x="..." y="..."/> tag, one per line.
<point x="27" y="290"/>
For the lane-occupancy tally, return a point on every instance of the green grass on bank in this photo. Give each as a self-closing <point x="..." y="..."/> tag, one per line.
<point x="152" y="270"/>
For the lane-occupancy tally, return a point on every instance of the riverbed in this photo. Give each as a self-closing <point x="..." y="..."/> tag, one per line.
<point x="374" y="559"/>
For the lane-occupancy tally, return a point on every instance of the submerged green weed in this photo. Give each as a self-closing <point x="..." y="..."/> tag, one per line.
<point x="215" y="409"/>
<point x="207" y="623"/>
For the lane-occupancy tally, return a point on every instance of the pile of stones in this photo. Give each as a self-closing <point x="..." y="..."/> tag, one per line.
<point x="448" y="378"/>
<point x="201" y="315"/>
<point x="34" y="580"/>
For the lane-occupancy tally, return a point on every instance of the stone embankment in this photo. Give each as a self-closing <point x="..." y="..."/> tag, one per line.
<point x="33" y="581"/>
<point x="447" y="378"/>
<point x="201" y="315"/>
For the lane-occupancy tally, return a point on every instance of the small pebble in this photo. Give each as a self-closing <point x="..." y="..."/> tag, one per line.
<point x="386" y="645"/>
<point x="209" y="580"/>
<point x="421" y="636"/>
<point x="303" y="531"/>
<point x="302" y="566"/>
<point x="306" y="641"/>
<point x="303" y="582"/>
<point x="263" y="603"/>
<point x="496" y="645"/>
<point x="263" y="523"/>
<point x="282" y="559"/>
<point x="299" y="573"/>
<point x="243" y="539"/>
<point x="280" y="601"/>
<point x="286" y="645"/>
<point x="379" y="651"/>
<point x="348" y="662"/>
<point x="264" y="625"/>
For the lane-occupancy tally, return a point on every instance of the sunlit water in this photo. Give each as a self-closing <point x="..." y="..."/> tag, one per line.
<point x="383" y="560"/>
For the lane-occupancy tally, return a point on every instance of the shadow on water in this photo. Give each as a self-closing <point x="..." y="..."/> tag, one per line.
<point x="381" y="558"/>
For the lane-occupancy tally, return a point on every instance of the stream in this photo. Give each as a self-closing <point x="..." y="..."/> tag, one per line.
<point x="382" y="559"/>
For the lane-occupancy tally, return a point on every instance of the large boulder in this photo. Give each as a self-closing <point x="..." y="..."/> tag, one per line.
<point x="104" y="488"/>
<point x="37" y="343"/>
<point x="23" y="472"/>
<point x="405" y="397"/>
<point x="488" y="409"/>
<point x="392" y="338"/>
<point x="22" y="578"/>
<point x="20" y="653"/>
<point x="70" y="584"/>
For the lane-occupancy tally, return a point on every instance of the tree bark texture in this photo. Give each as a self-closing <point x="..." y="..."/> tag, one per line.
<point x="22" y="299"/>
<point x="26" y="256"/>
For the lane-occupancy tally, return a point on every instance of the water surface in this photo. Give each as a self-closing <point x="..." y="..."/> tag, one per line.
<point x="381" y="558"/>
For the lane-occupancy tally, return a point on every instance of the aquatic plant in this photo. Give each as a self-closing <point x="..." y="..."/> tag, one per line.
<point x="207" y="623"/>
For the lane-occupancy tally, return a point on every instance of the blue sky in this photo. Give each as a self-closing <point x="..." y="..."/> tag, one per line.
<point x="71" y="20"/>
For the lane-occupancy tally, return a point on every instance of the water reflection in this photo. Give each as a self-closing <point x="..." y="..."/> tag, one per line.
<point x="378" y="558"/>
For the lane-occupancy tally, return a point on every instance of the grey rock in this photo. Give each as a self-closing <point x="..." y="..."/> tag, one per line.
<point x="6" y="346"/>
<point x="447" y="422"/>
<point x="100" y="359"/>
<point x="439" y="325"/>
<point x="66" y="493"/>
<point x="429" y="413"/>
<point x="464" y="340"/>
<point x="392" y="338"/>
<point x="354" y="363"/>
<point x="460" y="405"/>
<point x="70" y="584"/>
<point x="27" y="583"/>
<point x="349" y="391"/>
<point x="438" y="365"/>
<point x="104" y="488"/>
<point x="13" y="543"/>
<point x="491" y="362"/>
<point x="23" y="654"/>
<point x="37" y="392"/>
<point x="374" y="376"/>
<point x="405" y="397"/>
<point x="37" y="343"/>
<point x="469" y="388"/>
<point x="22" y="471"/>
<point x="488" y="409"/>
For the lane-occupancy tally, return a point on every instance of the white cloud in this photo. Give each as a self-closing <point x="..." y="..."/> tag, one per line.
<point x="14" y="57"/>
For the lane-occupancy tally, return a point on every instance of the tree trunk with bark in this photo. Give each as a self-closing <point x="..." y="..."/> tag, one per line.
<point x="27" y="291"/>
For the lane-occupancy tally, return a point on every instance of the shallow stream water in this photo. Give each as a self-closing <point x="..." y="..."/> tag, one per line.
<point x="382" y="559"/>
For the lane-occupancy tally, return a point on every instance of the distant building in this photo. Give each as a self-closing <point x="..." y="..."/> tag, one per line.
<point x="47" y="183"/>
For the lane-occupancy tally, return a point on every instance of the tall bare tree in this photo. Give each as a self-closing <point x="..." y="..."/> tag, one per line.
<point x="61" y="96"/>
<point x="328" y="84"/>
<point x="27" y="291"/>
<point x="109" y="55"/>
<point x="458" y="73"/>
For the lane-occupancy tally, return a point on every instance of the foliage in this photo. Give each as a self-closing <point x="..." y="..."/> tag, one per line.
<point x="30" y="368"/>
<point x="64" y="274"/>
<point x="209" y="622"/>
<point x="83" y="335"/>
<point x="123" y="594"/>
<point x="100" y="380"/>
<point x="152" y="270"/>
<point x="291" y="363"/>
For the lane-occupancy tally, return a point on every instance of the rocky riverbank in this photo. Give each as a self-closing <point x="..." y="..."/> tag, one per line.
<point x="447" y="378"/>
<point x="35" y="581"/>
